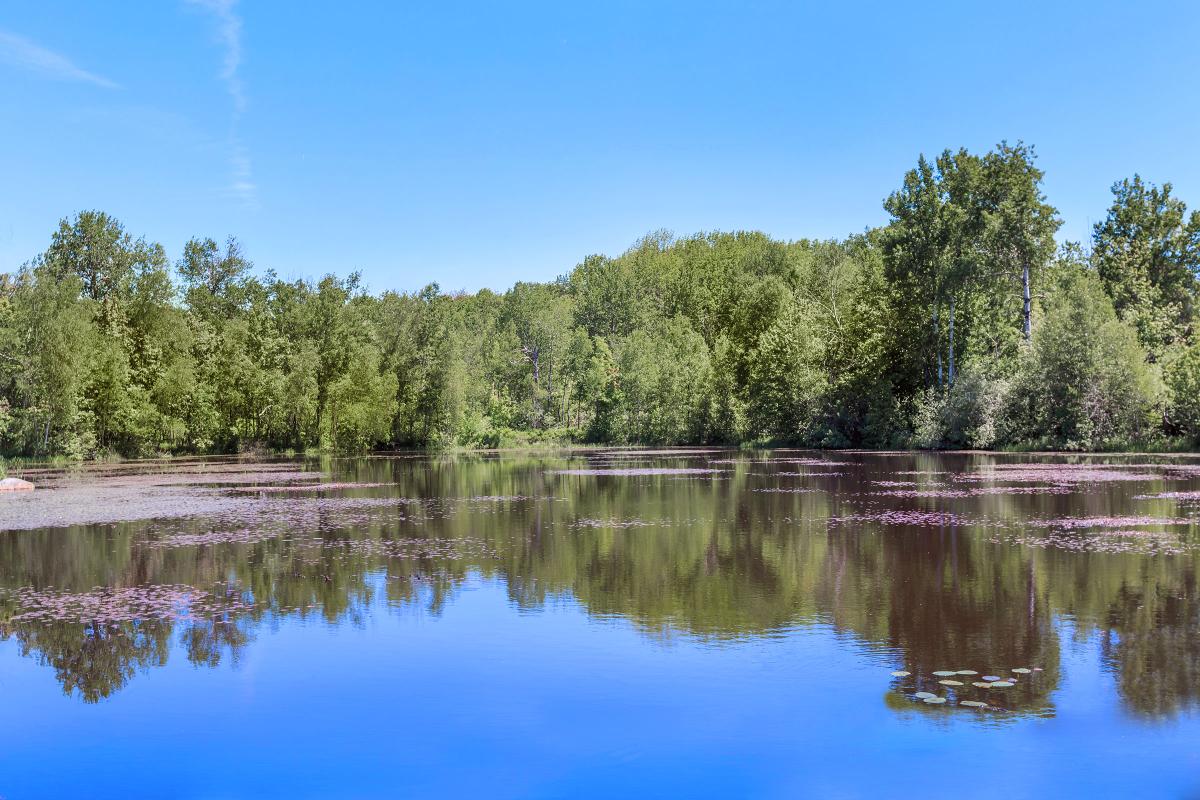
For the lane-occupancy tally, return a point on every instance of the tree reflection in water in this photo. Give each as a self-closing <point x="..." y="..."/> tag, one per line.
<point x="932" y="578"/>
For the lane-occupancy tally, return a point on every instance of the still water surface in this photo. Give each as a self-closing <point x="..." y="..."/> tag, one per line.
<point x="599" y="624"/>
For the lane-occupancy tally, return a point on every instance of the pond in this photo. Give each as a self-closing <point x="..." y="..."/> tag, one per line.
<point x="629" y="623"/>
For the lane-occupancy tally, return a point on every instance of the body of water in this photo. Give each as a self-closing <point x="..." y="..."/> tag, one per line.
<point x="637" y="623"/>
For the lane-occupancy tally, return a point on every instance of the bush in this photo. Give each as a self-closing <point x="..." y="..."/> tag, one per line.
<point x="967" y="415"/>
<point x="1084" y="383"/>
<point x="1182" y="376"/>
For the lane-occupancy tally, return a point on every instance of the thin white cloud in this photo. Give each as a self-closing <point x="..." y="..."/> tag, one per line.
<point x="24" y="54"/>
<point x="242" y="186"/>
<point x="229" y="34"/>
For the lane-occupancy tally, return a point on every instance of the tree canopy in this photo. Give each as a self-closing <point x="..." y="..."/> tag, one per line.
<point x="958" y="323"/>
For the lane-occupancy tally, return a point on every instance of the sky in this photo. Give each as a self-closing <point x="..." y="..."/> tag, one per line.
<point x="477" y="144"/>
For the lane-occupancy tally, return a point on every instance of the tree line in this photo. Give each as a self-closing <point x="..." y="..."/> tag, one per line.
<point x="959" y="323"/>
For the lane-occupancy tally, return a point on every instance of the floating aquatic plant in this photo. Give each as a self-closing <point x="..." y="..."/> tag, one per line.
<point x="588" y="522"/>
<point x="1105" y="541"/>
<point x="920" y="519"/>
<point x="125" y="604"/>
<point x="457" y="549"/>
<point x="635" y="471"/>
<point x="239" y="536"/>
<point x="1060" y="473"/>
<point x="308" y="487"/>
<point x="511" y="498"/>
<point x="1077" y="523"/>
<point x="978" y="491"/>
<point x="1169" y="496"/>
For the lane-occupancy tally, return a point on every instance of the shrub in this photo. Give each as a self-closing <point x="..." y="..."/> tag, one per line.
<point x="1084" y="382"/>
<point x="1182" y="375"/>
<point x="965" y="415"/>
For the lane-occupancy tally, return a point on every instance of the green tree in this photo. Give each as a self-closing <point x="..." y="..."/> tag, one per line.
<point x="108" y="262"/>
<point x="1147" y="252"/>
<point x="787" y="379"/>
<point x="1182" y="375"/>
<point x="663" y="375"/>
<point x="48" y="340"/>
<point x="362" y="403"/>
<point x="1084" y="383"/>
<point x="540" y="317"/>
<point x="1017" y="239"/>
<point x="214" y="280"/>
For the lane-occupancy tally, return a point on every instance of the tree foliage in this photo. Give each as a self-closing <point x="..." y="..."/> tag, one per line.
<point x="954" y="325"/>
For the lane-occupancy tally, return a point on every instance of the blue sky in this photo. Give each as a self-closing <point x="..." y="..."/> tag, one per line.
<point x="476" y="144"/>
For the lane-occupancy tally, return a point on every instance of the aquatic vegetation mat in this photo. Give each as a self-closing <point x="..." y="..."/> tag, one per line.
<point x="107" y="605"/>
<point x="980" y="694"/>
<point x="635" y="471"/>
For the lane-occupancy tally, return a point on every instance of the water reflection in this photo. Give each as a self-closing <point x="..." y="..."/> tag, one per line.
<point x="932" y="578"/>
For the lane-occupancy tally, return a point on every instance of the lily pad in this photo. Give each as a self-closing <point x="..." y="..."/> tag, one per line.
<point x="900" y="674"/>
<point x="1002" y="684"/>
<point x="966" y="672"/>
<point x="972" y="703"/>
<point x="945" y="673"/>
<point x="981" y="684"/>
<point x="1022" y="670"/>
<point x="951" y="683"/>
<point x="992" y="678"/>
<point x="935" y="700"/>
<point x="924" y="695"/>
